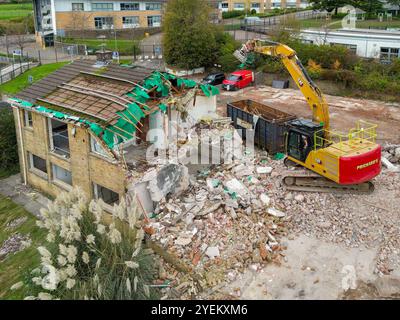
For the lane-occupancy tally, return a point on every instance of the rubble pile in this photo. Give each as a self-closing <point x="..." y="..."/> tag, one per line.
<point x="392" y="153"/>
<point x="225" y="222"/>
<point x="15" y="243"/>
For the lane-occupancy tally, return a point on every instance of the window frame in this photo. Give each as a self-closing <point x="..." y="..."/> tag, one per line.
<point x="93" y="144"/>
<point x="96" y="196"/>
<point x="130" y="25"/>
<point x="28" y="121"/>
<point x="102" y="6"/>
<point x="153" y="6"/>
<point x="56" y="180"/>
<point x="36" y="170"/>
<point x="80" y="4"/>
<point x="103" y="23"/>
<point x="128" y="4"/>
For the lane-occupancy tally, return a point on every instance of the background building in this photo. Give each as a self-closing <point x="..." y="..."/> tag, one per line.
<point x="281" y="4"/>
<point x="377" y="44"/>
<point x="55" y="17"/>
<point x="240" y="5"/>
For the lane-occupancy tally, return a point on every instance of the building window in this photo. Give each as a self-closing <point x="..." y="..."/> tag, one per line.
<point x="129" y="6"/>
<point x="108" y="196"/>
<point x="389" y="54"/>
<point x="96" y="147"/>
<point x="153" y="6"/>
<point x="61" y="175"/>
<point x="37" y="164"/>
<point x="59" y="140"/>
<point x="103" y="22"/>
<point x="28" y="119"/>
<point x="255" y="5"/>
<point x="224" y="5"/>
<point x="102" y="6"/>
<point x="154" y="21"/>
<point x="130" y="22"/>
<point x="238" y="6"/>
<point x="77" y="6"/>
<point x="351" y="47"/>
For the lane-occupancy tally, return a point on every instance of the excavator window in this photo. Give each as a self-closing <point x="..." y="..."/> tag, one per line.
<point x="299" y="145"/>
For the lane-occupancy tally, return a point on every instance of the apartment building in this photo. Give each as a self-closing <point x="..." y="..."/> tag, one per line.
<point x="282" y="4"/>
<point x="230" y="5"/>
<point x="55" y="17"/>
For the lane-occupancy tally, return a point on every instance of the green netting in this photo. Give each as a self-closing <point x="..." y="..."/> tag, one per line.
<point x="96" y="129"/>
<point x="187" y="82"/>
<point x="136" y="111"/>
<point x="162" y="107"/>
<point x="108" y="138"/>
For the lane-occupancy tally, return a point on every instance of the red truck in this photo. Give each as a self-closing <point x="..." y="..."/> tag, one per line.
<point x="238" y="80"/>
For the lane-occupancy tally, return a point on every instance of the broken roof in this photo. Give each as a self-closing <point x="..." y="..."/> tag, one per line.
<point x="68" y="72"/>
<point x="110" y="106"/>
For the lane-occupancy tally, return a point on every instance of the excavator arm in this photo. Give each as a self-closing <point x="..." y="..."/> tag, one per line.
<point x="288" y="56"/>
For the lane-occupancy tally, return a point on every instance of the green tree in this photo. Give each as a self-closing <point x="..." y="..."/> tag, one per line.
<point x="8" y="143"/>
<point x="394" y="2"/>
<point x="189" y="37"/>
<point x="329" y="5"/>
<point x="370" y="6"/>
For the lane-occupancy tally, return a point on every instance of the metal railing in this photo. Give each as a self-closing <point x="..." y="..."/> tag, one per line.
<point x="364" y="131"/>
<point x="17" y="69"/>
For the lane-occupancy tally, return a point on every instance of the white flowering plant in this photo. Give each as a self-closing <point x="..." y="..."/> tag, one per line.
<point x="88" y="257"/>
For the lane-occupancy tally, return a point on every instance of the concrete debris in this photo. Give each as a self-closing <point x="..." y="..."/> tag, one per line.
<point x="390" y="166"/>
<point x="388" y="286"/>
<point x="349" y="281"/>
<point x="264" y="170"/>
<point x="276" y="213"/>
<point x="212" y="252"/>
<point x="221" y="206"/>
<point x="392" y="153"/>
<point x="171" y="179"/>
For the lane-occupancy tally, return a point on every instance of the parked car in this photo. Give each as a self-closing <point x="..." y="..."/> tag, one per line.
<point x="214" y="78"/>
<point x="238" y="80"/>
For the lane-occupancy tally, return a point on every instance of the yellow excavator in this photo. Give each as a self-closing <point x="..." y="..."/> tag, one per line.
<point x="339" y="162"/>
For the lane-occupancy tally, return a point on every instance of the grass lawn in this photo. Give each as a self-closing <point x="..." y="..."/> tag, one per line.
<point x="395" y="23"/>
<point x="16" y="267"/>
<point x="125" y="47"/>
<point x="336" y="24"/>
<point x="10" y="11"/>
<point x="319" y="23"/>
<point x="21" y="82"/>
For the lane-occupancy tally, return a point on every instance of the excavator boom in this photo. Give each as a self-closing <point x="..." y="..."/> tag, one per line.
<point x="289" y="58"/>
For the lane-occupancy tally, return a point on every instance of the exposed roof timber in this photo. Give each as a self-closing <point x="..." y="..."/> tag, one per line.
<point x="96" y="116"/>
<point x="93" y="94"/>
<point x="97" y="91"/>
<point x="114" y="78"/>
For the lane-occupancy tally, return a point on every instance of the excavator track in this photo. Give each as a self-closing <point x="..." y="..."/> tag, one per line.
<point x="304" y="180"/>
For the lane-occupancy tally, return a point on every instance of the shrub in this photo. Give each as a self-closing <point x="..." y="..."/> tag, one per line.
<point x="233" y="14"/>
<point x="314" y="69"/>
<point x="226" y="46"/>
<point x="87" y="259"/>
<point x="8" y="141"/>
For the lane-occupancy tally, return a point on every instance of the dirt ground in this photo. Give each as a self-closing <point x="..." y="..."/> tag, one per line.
<point x="344" y="112"/>
<point x="339" y="246"/>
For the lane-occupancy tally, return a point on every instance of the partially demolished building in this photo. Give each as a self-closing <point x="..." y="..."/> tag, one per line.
<point x="90" y="126"/>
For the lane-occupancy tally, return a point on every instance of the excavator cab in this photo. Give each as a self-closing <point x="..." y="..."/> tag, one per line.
<point x="300" y="138"/>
